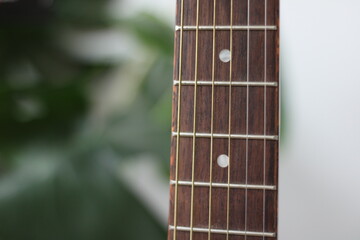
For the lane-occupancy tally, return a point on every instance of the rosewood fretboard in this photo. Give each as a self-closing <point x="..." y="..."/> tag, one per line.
<point x="224" y="160"/>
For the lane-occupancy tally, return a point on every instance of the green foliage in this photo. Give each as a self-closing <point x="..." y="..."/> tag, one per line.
<point x="152" y="32"/>
<point x="145" y="126"/>
<point x="60" y="170"/>
<point x="42" y="87"/>
<point x="76" y="196"/>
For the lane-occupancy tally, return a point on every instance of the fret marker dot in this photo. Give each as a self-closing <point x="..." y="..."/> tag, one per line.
<point x="223" y="161"/>
<point x="225" y="55"/>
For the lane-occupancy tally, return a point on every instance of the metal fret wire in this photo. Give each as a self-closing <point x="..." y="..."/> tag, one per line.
<point x="247" y="117"/>
<point x="265" y="117"/>
<point x="178" y="119"/>
<point x="221" y="27"/>
<point x="229" y="139"/>
<point x="224" y="231"/>
<point x="226" y="135"/>
<point x="194" y="122"/>
<point x="227" y="83"/>
<point x="225" y="185"/>
<point x="212" y="117"/>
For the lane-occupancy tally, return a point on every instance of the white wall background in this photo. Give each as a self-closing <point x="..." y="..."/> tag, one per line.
<point x="320" y="154"/>
<point x="163" y="8"/>
<point x="320" y="160"/>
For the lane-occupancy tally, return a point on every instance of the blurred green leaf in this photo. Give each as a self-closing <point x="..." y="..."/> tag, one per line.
<point x="138" y="130"/>
<point x="60" y="177"/>
<point x="152" y="32"/>
<point x="71" y="197"/>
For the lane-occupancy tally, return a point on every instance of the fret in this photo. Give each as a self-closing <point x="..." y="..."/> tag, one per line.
<point x="221" y="135"/>
<point x="234" y="28"/>
<point x="224" y="185"/>
<point x="223" y="231"/>
<point x="226" y="83"/>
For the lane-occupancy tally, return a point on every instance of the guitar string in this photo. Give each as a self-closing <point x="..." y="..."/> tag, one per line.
<point x="178" y="120"/>
<point x="247" y="116"/>
<point x="194" y="122"/>
<point x="247" y="127"/>
<point x="230" y="111"/>
<point x="212" y="116"/>
<point x="265" y="117"/>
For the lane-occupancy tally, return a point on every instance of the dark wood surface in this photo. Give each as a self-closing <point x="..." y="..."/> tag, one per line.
<point x="239" y="95"/>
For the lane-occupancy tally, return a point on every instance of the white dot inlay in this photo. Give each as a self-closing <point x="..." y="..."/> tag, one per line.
<point x="223" y="161"/>
<point x="225" y="55"/>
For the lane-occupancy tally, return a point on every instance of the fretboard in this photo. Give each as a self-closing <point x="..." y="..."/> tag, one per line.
<point x="225" y="130"/>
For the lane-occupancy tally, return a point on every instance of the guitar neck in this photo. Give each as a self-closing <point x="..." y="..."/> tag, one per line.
<point x="225" y="129"/>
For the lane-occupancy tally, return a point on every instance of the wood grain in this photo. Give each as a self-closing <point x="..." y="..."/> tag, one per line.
<point x="246" y="209"/>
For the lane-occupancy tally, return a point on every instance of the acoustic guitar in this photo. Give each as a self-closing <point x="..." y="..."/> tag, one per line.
<point x="225" y="128"/>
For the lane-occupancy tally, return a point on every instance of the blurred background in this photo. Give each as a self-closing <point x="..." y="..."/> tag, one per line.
<point x="85" y="111"/>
